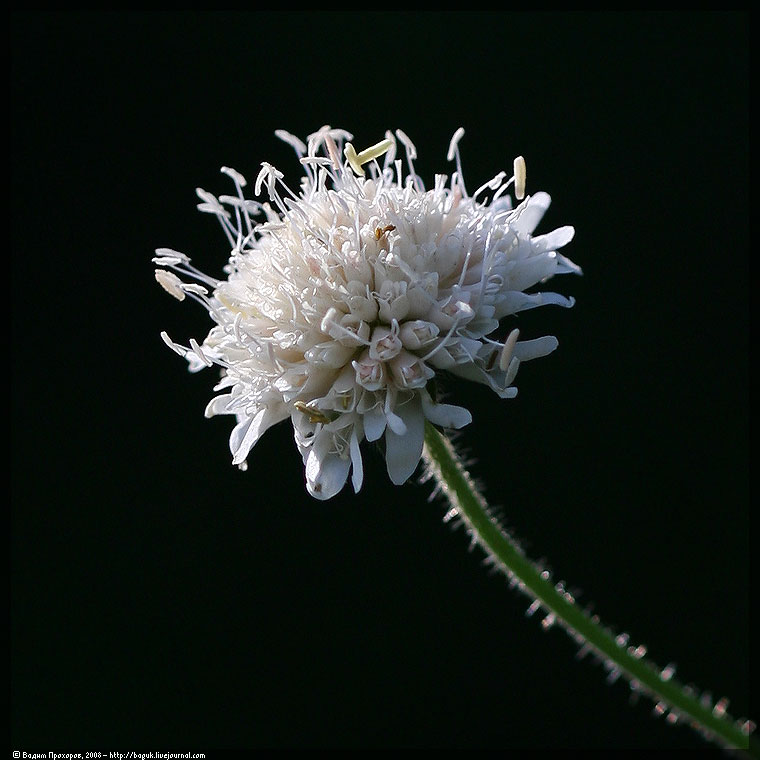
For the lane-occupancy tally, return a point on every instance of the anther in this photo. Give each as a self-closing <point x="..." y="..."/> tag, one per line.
<point x="509" y="347"/>
<point x="170" y="283"/>
<point x="520" y="177"/>
<point x="313" y="414"/>
<point x="380" y="231"/>
<point x="356" y="160"/>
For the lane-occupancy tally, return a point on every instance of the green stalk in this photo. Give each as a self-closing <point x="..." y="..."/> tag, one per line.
<point x="671" y="698"/>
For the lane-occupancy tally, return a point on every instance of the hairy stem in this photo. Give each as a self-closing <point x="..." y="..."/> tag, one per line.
<point x="671" y="698"/>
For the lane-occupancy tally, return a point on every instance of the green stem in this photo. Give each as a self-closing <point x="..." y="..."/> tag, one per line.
<point x="670" y="697"/>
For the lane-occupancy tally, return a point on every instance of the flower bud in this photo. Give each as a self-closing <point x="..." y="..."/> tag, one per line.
<point x="418" y="334"/>
<point x="370" y="373"/>
<point x="409" y="371"/>
<point x="385" y="344"/>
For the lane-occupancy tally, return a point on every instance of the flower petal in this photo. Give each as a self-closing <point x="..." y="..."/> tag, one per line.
<point x="326" y="473"/>
<point x="515" y="301"/>
<point x="533" y="349"/>
<point x="531" y="271"/>
<point x="479" y="375"/>
<point x="446" y="415"/>
<point x="220" y="405"/>
<point x="531" y="212"/>
<point x="357" y="467"/>
<point x="374" y="423"/>
<point x="250" y="429"/>
<point x="403" y="452"/>
<point x="554" y="240"/>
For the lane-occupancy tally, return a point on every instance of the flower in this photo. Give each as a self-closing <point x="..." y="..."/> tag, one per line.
<point x="344" y="303"/>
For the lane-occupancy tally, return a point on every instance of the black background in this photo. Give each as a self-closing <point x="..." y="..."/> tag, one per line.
<point x="163" y="600"/>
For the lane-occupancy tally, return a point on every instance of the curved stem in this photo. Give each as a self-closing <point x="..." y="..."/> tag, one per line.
<point x="670" y="697"/>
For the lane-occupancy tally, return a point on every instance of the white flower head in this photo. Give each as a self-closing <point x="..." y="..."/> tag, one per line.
<point x="344" y="300"/>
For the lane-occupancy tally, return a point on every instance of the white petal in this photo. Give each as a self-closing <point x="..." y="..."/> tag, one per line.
<point x="374" y="423"/>
<point x="220" y="405"/>
<point x="479" y="375"/>
<point x="531" y="212"/>
<point x="357" y="469"/>
<point x="533" y="349"/>
<point x="246" y="433"/>
<point x="446" y="415"/>
<point x="238" y="432"/>
<point x="554" y="240"/>
<point x="368" y="400"/>
<point x="516" y="300"/>
<point x="531" y="271"/>
<point x="565" y="266"/>
<point x="326" y="473"/>
<point x="395" y="423"/>
<point x="555" y="299"/>
<point x="403" y="452"/>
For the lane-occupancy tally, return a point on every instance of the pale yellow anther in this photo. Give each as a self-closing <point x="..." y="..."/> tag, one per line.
<point x="350" y="153"/>
<point x="356" y="160"/>
<point x="509" y="347"/>
<point x="520" y="177"/>
<point x="170" y="283"/>
<point x="314" y="415"/>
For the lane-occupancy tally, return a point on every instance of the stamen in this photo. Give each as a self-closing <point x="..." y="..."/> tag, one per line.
<point x="391" y="154"/>
<point x="236" y="176"/>
<point x="509" y="347"/>
<point x="380" y="231"/>
<point x="408" y="144"/>
<point x="170" y="283"/>
<point x="313" y="414"/>
<point x="169" y="254"/>
<point x="236" y="327"/>
<point x="457" y="180"/>
<point x="269" y="174"/>
<point x="211" y="205"/>
<point x="492" y="184"/>
<point x="458" y="135"/>
<point x="240" y="183"/>
<point x="332" y="151"/>
<point x="414" y="182"/>
<point x="291" y="140"/>
<point x="330" y="326"/>
<point x="198" y="351"/>
<point x="174" y="346"/>
<point x="520" y="176"/>
<point x="316" y="160"/>
<point x="356" y="160"/>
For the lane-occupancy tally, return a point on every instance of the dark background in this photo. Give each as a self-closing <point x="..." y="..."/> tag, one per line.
<point x="161" y="599"/>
